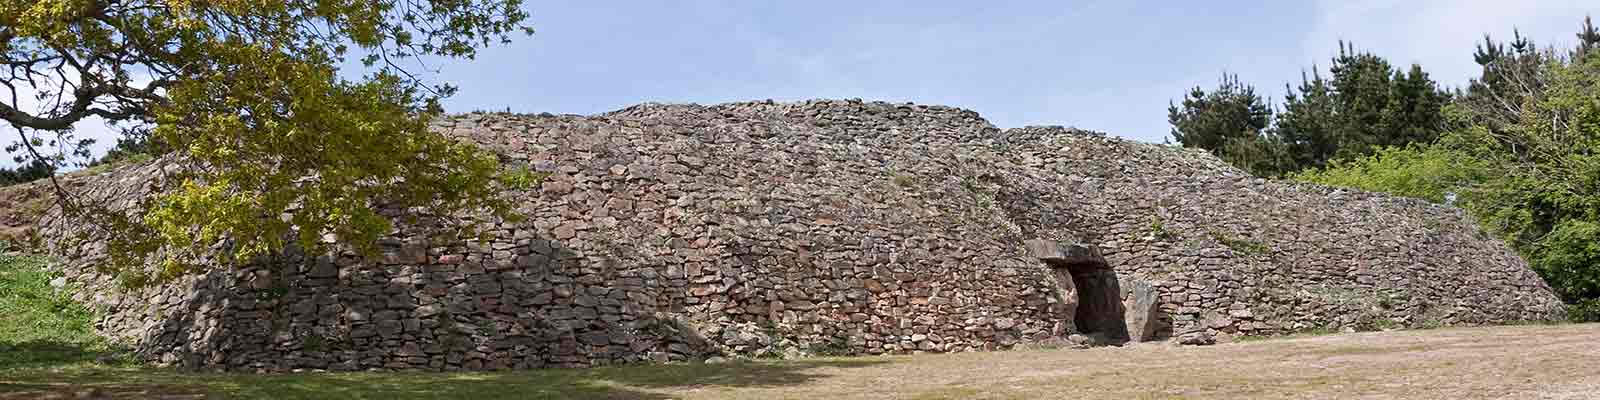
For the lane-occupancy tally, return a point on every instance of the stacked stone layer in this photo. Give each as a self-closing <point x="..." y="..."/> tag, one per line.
<point x="676" y="232"/>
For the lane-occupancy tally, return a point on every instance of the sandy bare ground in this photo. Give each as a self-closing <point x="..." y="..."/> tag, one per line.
<point x="1521" y="362"/>
<point x="1515" y="362"/>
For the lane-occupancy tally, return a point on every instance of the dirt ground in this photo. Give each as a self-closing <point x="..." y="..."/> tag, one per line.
<point x="1520" y="362"/>
<point x="1516" y="362"/>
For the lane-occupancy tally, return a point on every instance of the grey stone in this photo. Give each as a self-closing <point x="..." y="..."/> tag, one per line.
<point x="1065" y="254"/>
<point x="1200" y="338"/>
<point x="848" y="225"/>
<point x="1144" y="311"/>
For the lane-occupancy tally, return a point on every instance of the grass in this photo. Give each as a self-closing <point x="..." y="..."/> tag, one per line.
<point x="1240" y="245"/>
<point x="40" y="324"/>
<point x="903" y="179"/>
<point x="127" y="159"/>
<point x="621" y="382"/>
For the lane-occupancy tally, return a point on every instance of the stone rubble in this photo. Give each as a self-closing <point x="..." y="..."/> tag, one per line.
<point x="683" y="232"/>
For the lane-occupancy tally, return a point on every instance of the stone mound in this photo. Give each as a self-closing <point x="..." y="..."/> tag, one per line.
<point x="678" y="232"/>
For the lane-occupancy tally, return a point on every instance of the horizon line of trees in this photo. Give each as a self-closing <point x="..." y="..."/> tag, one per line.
<point x="1363" y="103"/>
<point x="1518" y="147"/>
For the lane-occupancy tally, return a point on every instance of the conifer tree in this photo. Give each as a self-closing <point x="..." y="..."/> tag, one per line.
<point x="1208" y="120"/>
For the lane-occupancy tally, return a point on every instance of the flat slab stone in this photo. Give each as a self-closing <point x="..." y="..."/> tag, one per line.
<point x="1143" y="310"/>
<point x="1066" y="255"/>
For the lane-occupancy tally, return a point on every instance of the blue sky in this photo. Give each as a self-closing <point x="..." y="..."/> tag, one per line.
<point x="1104" y="65"/>
<point x="1110" y="65"/>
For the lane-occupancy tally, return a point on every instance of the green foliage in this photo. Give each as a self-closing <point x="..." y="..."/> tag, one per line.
<point x="901" y="179"/>
<point x="1242" y="246"/>
<point x="273" y="144"/>
<point x="1587" y="310"/>
<point x="1523" y="157"/>
<point x="835" y="347"/>
<point x="105" y="164"/>
<point x="34" y="170"/>
<point x="133" y="147"/>
<point x="1208" y="120"/>
<point x="1569" y="259"/>
<point x="1233" y="123"/>
<point x="486" y="328"/>
<point x="1424" y="172"/>
<point x="271" y="293"/>
<point x="314" y="343"/>
<point x="1158" y="228"/>
<point x="980" y="196"/>
<point x="1375" y="323"/>
<point x="1266" y="155"/>
<point x="1365" y="104"/>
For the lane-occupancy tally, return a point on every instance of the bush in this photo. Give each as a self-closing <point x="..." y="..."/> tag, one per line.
<point x="1584" y="311"/>
<point x="1430" y="173"/>
<point x="1569" y="259"/>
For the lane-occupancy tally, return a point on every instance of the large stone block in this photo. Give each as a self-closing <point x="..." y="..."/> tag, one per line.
<point x="1143" y="310"/>
<point x="1067" y="255"/>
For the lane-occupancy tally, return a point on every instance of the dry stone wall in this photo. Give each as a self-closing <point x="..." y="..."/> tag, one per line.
<point x="678" y="232"/>
<point x="1231" y="253"/>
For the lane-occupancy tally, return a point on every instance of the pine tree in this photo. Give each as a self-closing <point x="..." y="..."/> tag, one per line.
<point x="1365" y="104"/>
<point x="1413" y="113"/>
<point x="1307" y="124"/>
<point x="1513" y="75"/>
<point x="1208" y="120"/>
<point x="1588" y="39"/>
<point x="35" y="170"/>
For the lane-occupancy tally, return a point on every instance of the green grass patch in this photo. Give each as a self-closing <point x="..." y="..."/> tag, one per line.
<point x="616" y="382"/>
<point x="1240" y="245"/>
<point x="41" y="324"/>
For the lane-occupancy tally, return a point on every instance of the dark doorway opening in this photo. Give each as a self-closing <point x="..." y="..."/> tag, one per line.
<point x="1099" y="312"/>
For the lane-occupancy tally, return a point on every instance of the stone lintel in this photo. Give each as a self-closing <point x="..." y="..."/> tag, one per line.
<point x="1073" y="256"/>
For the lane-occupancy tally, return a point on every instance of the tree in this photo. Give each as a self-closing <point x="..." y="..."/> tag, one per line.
<point x="1227" y="121"/>
<point x="1308" y="125"/>
<point x="1588" y="39"/>
<point x="1512" y="73"/>
<point x="29" y="172"/>
<point x="133" y="145"/>
<point x="1264" y="155"/>
<point x="249" y="96"/>
<point x="1414" y="113"/>
<point x="1364" y="104"/>
<point x="1522" y="156"/>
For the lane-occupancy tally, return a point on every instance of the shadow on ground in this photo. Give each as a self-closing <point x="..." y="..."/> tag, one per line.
<point x="88" y="380"/>
<point x="45" y="354"/>
<point x="36" y="354"/>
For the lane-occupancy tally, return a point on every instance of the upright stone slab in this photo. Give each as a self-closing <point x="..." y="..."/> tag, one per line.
<point x="1143" y="310"/>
